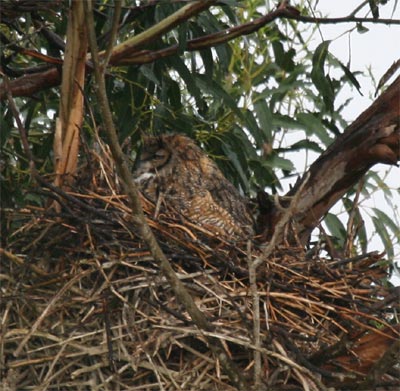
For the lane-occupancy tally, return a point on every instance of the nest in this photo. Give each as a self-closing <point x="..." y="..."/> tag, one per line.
<point x="84" y="305"/>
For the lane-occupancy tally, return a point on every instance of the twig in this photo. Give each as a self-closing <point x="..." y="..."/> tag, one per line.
<point x="21" y="262"/>
<point x="351" y="229"/>
<point x="113" y="33"/>
<point x="49" y="306"/>
<point x="128" y="53"/>
<point x="344" y="19"/>
<point x="256" y="317"/>
<point x="360" y="257"/>
<point x="288" y="213"/>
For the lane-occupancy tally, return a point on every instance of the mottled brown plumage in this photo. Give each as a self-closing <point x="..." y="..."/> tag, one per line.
<point x="175" y="168"/>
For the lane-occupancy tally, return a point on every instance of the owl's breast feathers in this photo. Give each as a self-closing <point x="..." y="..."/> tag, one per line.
<point x="192" y="184"/>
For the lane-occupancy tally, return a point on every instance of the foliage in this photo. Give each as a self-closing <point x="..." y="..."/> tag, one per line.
<point x="246" y="102"/>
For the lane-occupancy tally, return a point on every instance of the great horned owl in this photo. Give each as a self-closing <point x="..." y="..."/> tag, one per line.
<point x="175" y="168"/>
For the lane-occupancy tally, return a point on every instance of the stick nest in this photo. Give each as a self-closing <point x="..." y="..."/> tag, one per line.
<point x="84" y="306"/>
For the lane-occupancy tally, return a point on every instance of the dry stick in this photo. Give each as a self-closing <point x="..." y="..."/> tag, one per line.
<point x="253" y="265"/>
<point x="113" y="33"/>
<point x="24" y="138"/>
<point x="51" y="304"/>
<point x="343" y="19"/>
<point x="288" y="213"/>
<point x="21" y="262"/>
<point x="256" y="317"/>
<point x="350" y="224"/>
<point x="138" y="216"/>
<point x="283" y="11"/>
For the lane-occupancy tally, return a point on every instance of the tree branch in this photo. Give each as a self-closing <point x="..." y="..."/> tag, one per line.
<point x="374" y="137"/>
<point x="154" y="32"/>
<point x="138" y="216"/>
<point x="344" y="19"/>
<point x="129" y="51"/>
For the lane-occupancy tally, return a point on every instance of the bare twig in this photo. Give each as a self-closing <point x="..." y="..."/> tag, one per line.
<point x="287" y="215"/>
<point x="256" y="317"/>
<point x="49" y="306"/>
<point x="351" y="228"/>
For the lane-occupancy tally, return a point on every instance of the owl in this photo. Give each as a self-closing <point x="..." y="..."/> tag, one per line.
<point x="174" y="170"/>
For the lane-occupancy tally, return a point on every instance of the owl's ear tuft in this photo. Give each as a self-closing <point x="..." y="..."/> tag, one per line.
<point x="184" y="146"/>
<point x="151" y="142"/>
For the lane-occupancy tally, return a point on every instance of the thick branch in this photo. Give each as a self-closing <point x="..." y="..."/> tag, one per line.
<point x="154" y="32"/>
<point x="30" y="84"/>
<point x="374" y="137"/>
<point x="210" y="40"/>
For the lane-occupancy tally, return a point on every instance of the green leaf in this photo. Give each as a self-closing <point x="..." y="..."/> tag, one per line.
<point x="264" y="175"/>
<point x="208" y="62"/>
<point x="232" y="3"/>
<point x="321" y="81"/>
<point x="211" y="87"/>
<point x="148" y="72"/>
<point x="174" y="95"/>
<point x="253" y="128"/>
<point x="283" y="59"/>
<point x="350" y="76"/>
<point x="264" y="116"/>
<point x="182" y="36"/>
<point x="233" y="157"/>
<point x="384" y="235"/>
<point x="305" y="144"/>
<point x="313" y="125"/>
<point x="284" y="121"/>
<point x="189" y="80"/>
<point x="336" y="228"/>
<point x="361" y="28"/>
<point x="275" y="161"/>
<point x="388" y="222"/>
<point x="320" y="55"/>
<point x="359" y="223"/>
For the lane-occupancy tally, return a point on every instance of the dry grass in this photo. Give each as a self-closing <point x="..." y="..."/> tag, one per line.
<point x="84" y="307"/>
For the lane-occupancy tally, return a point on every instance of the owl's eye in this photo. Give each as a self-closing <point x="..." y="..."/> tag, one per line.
<point x="161" y="154"/>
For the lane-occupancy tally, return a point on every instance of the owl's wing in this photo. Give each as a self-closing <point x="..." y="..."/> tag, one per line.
<point x="202" y="209"/>
<point x="227" y="196"/>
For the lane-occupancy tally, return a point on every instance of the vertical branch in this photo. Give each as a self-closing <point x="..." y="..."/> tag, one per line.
<point x="138" y="216"/>
<point x="256" y="316"/>
<point x="351" y="229"/>
<point x="66" y="142"/>
<point x="20" y="126"/>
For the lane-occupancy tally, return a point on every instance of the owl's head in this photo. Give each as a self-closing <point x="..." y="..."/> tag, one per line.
<point x="160" y="154"/>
